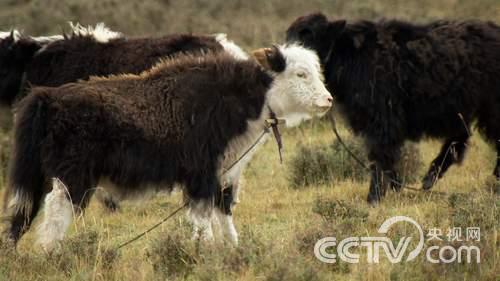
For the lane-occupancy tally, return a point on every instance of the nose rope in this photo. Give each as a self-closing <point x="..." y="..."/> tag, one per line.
<point x="273" y="123"/>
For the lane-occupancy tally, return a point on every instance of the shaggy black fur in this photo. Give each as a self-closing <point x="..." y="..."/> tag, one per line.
<point x="167" y="125"/>
<point x="14" y="58"/>
<point x="397" y="81"/>
<point x="79" y="57"/>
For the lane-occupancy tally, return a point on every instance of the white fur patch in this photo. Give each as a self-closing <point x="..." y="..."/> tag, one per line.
<point x="17" y="35"/>
<point x="228" y="228"/>
<point x="100" y="32"/>
<point x="230" y="47"/>
<point x="58" y="215"/>
<point x="20" y="203"/>
<point x="201" y="216"/>
<point x="15" y="201"/>
<point x="40" y="39"/>
<point x="44" y="40"/>
<point x="239" y="145"/>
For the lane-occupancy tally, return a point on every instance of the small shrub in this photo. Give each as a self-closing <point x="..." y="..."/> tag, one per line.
<point x="334" y="210"/>
<point x="80" y="248"/>
<point x="318" y="165"/>
<point x="475" y="210"/>
<point x="492" y="184"/>
<point x="300" y="271"/>
<point x="322" y="164"/>
<point x="174" y="256"/>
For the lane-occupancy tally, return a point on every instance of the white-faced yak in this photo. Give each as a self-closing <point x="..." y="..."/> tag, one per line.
<point x="185" y="121"/>
<point x="396" y="81"/>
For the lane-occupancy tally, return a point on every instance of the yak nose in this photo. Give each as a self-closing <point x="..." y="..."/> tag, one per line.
<point x="329" y="100"/>
<point x="325" y="102"/>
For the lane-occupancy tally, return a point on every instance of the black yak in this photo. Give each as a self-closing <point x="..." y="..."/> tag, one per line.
<point x="183" y="122"/>
<point x="89" y="52"/>
<point x="396" y="81"/>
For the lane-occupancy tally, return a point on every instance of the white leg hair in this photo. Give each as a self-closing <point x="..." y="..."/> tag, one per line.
<point x="226" y="222"/>
<point x="58" y="215"/>
<point x="201" y="214"/>
<point x="237" y="185"/>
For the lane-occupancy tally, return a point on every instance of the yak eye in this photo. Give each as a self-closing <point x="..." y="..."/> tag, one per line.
<point x="302" y="74"/>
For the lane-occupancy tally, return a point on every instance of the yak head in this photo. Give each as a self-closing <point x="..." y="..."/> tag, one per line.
<point x="314" y="31"/>
<point x="16" y="52"/>
<point x="297" y="92"/>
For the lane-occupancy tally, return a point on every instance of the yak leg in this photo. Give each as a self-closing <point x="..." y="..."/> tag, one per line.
<point x="225" y="216"/>
<point x="58" y="215"/>
<point x="22" y="217"/>
<point x="452" y="152"/>
<point x="61" y="206"/>
<point x="107" y="199"/>
<point x="382" y="172"/>
<point x="200" y="215"/>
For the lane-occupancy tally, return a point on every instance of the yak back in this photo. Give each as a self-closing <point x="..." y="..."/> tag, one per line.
<point x="413" y="79"/>
<point x="79" y="57"/>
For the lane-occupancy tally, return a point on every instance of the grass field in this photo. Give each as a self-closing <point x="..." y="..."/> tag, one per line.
<point x="279" y="223"/>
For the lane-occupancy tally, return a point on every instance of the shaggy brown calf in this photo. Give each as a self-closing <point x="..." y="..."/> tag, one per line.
<point x="90" y="52"/>
<point x="183" y="122"/>
<point x="397" y="81"/>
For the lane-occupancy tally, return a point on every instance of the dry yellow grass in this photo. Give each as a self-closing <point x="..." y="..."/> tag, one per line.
<point x="278" y="228"/>
<point x="277" y="223"/>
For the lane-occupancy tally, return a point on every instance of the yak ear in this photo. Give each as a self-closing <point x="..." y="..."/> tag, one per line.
<point x="270" y="58"/>
<point x="261" y="58"/>
<point x="276" y="59"/>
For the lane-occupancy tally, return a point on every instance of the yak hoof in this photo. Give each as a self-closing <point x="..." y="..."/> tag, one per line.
<point x="373" y="199"/>
<point x="111" y="205"/>
<point x="428" y="182"/>
<point x="396" y="186"/>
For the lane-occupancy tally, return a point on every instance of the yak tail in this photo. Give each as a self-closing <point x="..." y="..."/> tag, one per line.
<point x="26" y="179"/>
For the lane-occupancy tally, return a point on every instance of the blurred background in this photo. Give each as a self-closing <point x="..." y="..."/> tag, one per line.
<point x="249" y="23"/>
<point x="319" y="191"/>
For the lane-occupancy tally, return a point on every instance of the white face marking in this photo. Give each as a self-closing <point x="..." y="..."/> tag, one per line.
<point x="58" y="215"/>
<point x="100" y="32"/>
<point x="298" y="93"/>
<point x="230" y="47"/>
